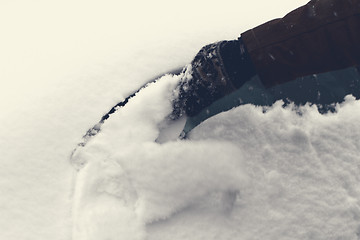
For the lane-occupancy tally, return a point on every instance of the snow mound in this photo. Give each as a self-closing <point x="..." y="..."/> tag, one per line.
<point x="283" y="173"/>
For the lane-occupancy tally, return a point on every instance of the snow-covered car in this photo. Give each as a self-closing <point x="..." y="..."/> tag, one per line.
<point x="256" y="159"/>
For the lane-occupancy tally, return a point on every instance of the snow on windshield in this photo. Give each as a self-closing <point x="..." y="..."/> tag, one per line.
<point x="286" y="172"/>
<point x="243" y="174"/>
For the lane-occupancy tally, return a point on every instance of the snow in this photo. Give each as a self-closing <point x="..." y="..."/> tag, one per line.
<point x="243" y="174"/>
<point x="283" y="173"/>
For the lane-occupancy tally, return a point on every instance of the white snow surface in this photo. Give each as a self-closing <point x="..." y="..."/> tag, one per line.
<point x="243" y="174"/>
<point x="288" y="173"/>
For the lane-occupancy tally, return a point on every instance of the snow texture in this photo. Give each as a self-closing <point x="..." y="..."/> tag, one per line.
<point x="243" y="174"/>
<point x="283" y="173"/>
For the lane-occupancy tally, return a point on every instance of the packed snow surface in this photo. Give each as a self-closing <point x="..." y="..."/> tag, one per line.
<point x="283" y="173"/>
